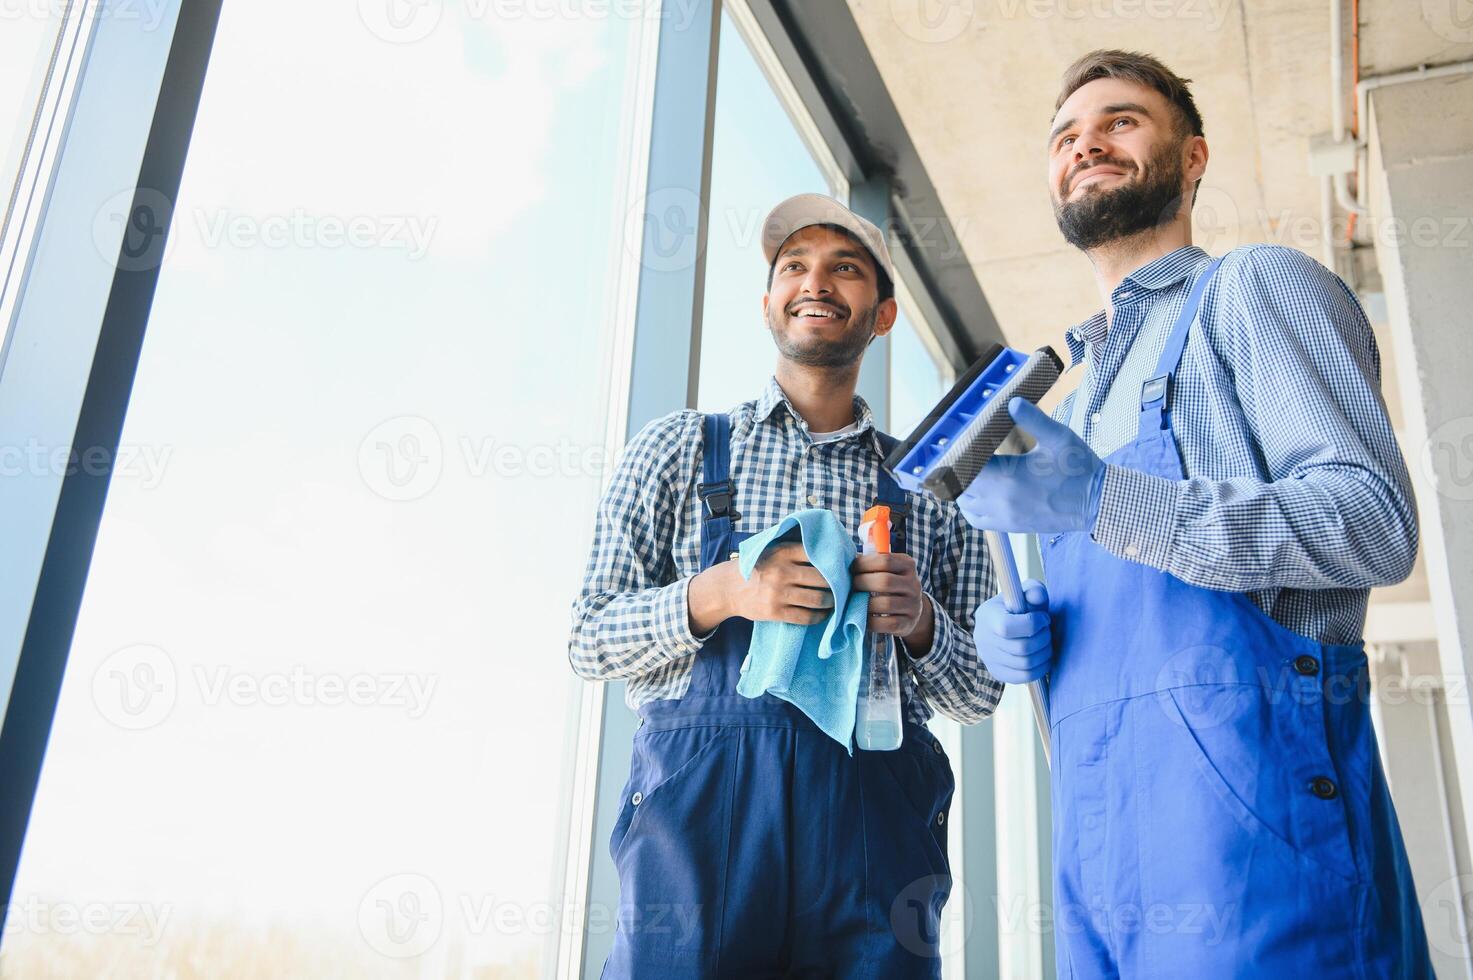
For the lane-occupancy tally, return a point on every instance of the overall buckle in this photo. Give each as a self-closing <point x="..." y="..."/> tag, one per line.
<point x="1155" y="390"/>
<point x="717" y="498"/>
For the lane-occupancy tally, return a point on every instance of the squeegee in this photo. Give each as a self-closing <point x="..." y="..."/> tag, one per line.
<point x="951" y="445"/>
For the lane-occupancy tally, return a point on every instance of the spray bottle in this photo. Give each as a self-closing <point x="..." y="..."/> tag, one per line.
<point x="877" y="721"/>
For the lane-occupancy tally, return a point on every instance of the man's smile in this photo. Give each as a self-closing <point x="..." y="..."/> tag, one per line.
<point x="815" y="312"/>
<point x="1095" y="174"/>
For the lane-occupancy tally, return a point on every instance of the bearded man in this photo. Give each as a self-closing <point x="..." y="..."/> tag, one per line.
<point x="1214" y="504"/>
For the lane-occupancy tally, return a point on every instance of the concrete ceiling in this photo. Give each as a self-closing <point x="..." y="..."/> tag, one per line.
<point x="975" y="82"/>
<point x="978" y="106"/>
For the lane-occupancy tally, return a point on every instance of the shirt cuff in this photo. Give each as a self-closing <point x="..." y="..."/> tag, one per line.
<point x="939" y="659"/>
<point x="672" y="620"/>
<point x="1137" y="518"/>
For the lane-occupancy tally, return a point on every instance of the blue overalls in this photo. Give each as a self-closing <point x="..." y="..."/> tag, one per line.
<point x="750" y="844"/>
<point x="1218" y="800"/>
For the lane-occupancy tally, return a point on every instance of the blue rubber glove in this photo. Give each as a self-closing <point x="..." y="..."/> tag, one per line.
<point x="1016" y="647"/>
<point x="1055" y="487"/>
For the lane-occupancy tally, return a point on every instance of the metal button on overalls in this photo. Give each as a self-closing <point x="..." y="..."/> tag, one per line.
<point x="1322" y="787"/>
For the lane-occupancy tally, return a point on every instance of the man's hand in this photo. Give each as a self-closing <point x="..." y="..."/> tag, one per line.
<point x="896" y="604"/>
<point x="1054" y="487"/>
<point x="784" y="588"/>
<point x="1016" y="648"/>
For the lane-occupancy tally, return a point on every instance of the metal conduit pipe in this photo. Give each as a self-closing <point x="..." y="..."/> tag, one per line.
<point x="1363" y="100"/>
<point x="1336" y="187"/>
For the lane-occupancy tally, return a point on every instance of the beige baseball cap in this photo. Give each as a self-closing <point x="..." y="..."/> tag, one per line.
<point x="819" y="209"/>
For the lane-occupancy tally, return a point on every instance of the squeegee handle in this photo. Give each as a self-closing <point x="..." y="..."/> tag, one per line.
<point x="1013" y="598"/>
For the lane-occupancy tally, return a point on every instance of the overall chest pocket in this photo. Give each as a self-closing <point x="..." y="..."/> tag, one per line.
<point x="677" y="781"/>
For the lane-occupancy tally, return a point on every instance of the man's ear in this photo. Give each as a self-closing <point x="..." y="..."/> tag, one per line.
<point x="765" y="298"/>
<point x="1196" y="163"/>
<point x="885" y="317"/>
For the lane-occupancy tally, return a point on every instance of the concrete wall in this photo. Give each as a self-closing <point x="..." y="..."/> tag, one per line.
<point x="1421" y="165"/>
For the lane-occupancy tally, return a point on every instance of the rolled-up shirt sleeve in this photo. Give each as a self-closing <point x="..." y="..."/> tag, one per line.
<point x="1336" y="509"/>
<point x="631" y="615"/>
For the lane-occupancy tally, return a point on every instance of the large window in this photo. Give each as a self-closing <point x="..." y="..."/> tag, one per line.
<point x="758" y="159"/>
<point x="316" y="719"/>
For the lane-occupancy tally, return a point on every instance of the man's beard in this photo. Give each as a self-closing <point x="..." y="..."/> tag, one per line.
<point x="841" y="351"/>
<point x="1148" y="200"/>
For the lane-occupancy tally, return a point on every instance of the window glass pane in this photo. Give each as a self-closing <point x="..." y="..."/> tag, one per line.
<point x="318" y="712"/>
<point x="758" y="159"/>
<point x="917" y="381"/>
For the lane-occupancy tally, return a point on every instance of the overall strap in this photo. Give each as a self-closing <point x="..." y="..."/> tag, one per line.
<point x="891" y="495"/>
<point x="715" y="489"/>
<point x="1155" y="393"/>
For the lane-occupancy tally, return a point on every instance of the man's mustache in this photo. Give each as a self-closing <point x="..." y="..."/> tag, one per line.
<point x="792" y="309"/>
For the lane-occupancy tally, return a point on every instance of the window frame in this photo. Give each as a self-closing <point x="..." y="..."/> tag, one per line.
<point x="75" y="343"/>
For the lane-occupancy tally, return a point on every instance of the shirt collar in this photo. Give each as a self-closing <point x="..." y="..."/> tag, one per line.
<point x="773" y="396"/>
<point x="1168" y="270"/>
<point x="1090" y="332"/>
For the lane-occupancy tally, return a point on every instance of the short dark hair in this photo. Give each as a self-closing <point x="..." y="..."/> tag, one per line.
<point x="1142" y="69"/>
<point x="885" y="289"/>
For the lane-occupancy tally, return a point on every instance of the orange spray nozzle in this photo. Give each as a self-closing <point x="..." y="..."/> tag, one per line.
<point x="874" y="528"/>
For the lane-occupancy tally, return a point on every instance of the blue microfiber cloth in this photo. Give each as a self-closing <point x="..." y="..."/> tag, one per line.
<point x="814" y="667"/>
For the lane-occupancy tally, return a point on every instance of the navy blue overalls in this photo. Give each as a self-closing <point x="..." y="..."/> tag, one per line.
<point x="1218" y="801"/>
<point x="750" y="844"/>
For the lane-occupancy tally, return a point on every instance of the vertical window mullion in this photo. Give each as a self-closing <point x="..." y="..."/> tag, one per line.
<point x="665" y="359"/>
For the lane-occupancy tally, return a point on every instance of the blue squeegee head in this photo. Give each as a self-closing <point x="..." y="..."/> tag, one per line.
<point x="988" y="423"/>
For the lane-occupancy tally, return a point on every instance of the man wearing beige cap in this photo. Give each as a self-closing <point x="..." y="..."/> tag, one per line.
<point x="749" y="843"/>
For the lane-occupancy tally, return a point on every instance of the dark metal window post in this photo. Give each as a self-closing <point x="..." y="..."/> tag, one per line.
<point x="122" y="59"/>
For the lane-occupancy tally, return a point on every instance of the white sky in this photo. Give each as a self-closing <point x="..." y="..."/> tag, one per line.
<point x="258" y="540"/>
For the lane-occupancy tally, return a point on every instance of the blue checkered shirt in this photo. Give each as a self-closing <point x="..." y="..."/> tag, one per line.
<point x="631" y="619"/>
<point x="1295" y="492"/>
